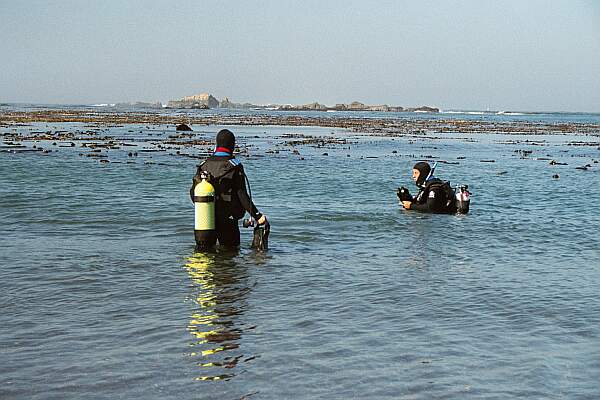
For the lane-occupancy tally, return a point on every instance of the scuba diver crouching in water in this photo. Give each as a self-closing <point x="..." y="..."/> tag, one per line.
<point x="221" y="198"/>
<point x="434" y="196"/>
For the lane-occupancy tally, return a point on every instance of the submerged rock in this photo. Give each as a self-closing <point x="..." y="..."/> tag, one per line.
<point x="183" y="127"/>
<point x="554" y="162"/>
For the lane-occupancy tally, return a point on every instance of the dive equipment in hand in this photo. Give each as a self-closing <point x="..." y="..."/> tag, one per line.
<point x="403" y="194"/>
<point x="260" y="240"/>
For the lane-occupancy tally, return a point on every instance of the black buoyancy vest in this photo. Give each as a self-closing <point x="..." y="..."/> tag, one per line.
<point x="224" y="176"/>
<point x="444" y="195"/>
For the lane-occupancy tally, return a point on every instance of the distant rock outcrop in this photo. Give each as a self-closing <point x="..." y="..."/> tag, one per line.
<point x="198" y="101"/>
<point x="139" y="104"/>
<point x="356" y="106"/>
<point x="205" y="101"/>
<point x="225" y="103"/>
<point x="305" y="107"/>
<point x="425" y="109"/>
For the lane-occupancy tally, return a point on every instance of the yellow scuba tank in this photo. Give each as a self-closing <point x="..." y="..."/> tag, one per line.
<point x="204" y="207"/>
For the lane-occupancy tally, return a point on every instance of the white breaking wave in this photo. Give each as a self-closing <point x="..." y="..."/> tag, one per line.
<point x="508" y="113"/>
<point x="465" y="112"/>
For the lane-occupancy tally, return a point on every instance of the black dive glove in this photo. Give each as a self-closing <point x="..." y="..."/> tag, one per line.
<point x="403" y="194"/>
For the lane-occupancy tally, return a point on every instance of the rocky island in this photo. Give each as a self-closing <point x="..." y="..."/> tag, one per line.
<point x="207" y="101"/>
<point x="198" y="101"/>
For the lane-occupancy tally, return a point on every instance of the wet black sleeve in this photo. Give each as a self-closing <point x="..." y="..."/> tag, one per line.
<point x="242" y="194"/>
<point x="428" y="206"/>
<point x="432" y="205"/>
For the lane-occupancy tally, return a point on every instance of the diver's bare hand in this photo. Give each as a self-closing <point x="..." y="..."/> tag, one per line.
<point x="406" y="204"/>
<point x="262" y="220"/>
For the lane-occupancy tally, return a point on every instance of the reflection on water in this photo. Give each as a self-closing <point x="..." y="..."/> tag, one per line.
<point x="219" y="290"/>
<point x="355" y="293"/>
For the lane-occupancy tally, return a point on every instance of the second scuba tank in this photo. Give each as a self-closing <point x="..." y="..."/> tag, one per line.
<point x="463" y="200"/>
<point x="204" y="207"/>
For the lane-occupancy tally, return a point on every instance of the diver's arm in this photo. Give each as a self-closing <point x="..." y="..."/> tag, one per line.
<point x="431" y="205"/>
<point x="426" y="207"/>
<point x="242" y="195"/>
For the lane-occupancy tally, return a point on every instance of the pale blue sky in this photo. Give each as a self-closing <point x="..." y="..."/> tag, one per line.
<point x="505" y="55"/>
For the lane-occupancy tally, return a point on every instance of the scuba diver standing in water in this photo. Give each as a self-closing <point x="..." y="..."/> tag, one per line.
<point x="221" y="199"/>
<point x="435" y="195"/>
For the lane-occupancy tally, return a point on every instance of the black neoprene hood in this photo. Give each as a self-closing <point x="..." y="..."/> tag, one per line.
<point x="226" y="138"/>
<point x="424" y="170"/>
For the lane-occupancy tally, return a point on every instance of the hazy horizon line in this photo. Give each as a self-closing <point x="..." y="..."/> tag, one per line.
<point x="459" y="109"/>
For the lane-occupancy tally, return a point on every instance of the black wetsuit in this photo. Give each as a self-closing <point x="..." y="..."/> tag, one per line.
<point x="434" y="197"/>
<point x="231" y="197"/>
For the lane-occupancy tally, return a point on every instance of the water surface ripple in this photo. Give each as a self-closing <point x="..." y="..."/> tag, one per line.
<point x="104" y="297"/>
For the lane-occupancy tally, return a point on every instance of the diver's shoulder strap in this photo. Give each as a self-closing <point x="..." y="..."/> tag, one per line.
<point x="218" y="167"/>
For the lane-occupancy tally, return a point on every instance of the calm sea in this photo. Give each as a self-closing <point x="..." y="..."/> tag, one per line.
<point x="103" y="296"/>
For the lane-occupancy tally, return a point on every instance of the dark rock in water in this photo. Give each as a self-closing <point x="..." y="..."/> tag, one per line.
<point x="325" y="154"/>
<point x="425" y="109"/>
<point x="555" y="176"/>
<point x="449" y="162"/>
<point x="183" y="127"/>
<point x="524" y="152"/>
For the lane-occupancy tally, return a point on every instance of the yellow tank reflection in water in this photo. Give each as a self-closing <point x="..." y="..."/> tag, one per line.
<point x="204" y="324"/>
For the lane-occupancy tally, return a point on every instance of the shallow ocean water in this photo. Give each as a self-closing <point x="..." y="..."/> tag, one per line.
<point x="104" y="297"/>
